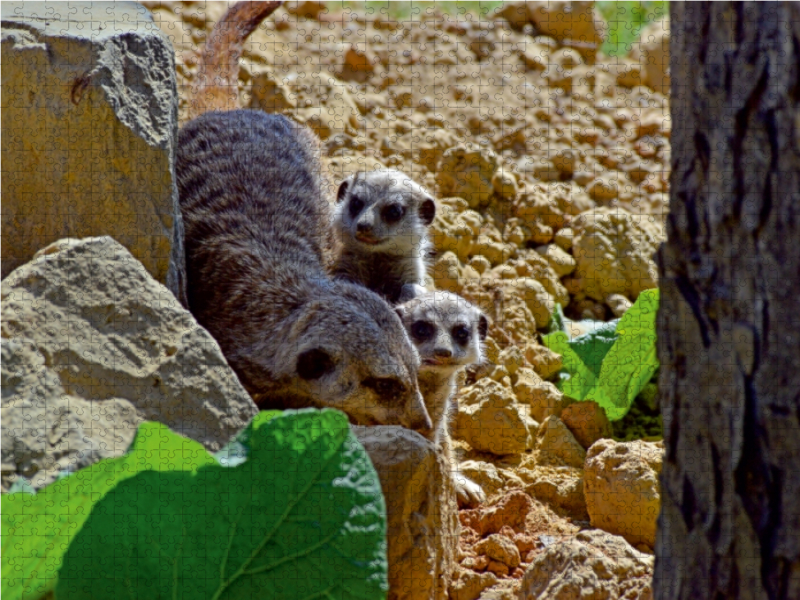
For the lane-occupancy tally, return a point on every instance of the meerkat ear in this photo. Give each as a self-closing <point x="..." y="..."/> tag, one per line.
<point x="345" y="185"/>
<point x="313" y="364"/>
<point x="427" y="210"/>
<point x="483" y="327"/>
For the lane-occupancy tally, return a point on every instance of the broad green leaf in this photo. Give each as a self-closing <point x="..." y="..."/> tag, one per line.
<point x="302" y="517"/>
<point x="581" y="378"/>
<point x="36" y="529"/>
<point x="611" y="367"/>
<point x="592" y="347"/>
<point x="632" y="360"/>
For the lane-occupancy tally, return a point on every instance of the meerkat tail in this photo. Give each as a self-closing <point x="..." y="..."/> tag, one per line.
<point x="217" y="79"/>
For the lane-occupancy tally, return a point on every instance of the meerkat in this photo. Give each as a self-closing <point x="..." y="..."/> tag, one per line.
<point x="449" y="333"/>
<point x="256" y="220"/>
<point x="381" y="224"/>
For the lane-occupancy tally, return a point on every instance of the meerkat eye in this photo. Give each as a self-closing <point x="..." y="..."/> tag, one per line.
<point x="393" y="213"/>
<point x="385" y="387"/>
<point x="422" y="330"/>
<point x="356" y="204"/>
<point x="461" y="334"/>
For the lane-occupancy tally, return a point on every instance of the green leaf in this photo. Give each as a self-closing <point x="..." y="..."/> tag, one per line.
<point x="611" y="364"/>
<point x="302" y="517"/>
<point x="632" y="360"/>
<point x="581" y="378"/>
<point x="36" y="529"/>
<point x="592" y="347"/>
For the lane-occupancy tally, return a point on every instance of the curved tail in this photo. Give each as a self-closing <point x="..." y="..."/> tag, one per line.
<point x="217" y="79"/>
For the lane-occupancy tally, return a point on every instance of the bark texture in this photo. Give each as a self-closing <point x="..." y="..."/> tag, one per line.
<point x="728" y="326"/>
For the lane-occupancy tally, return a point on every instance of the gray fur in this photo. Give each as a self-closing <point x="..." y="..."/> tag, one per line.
<point x="257" y="226"/>
<point x="374" y="251"/>
<point x="443" y="356"/>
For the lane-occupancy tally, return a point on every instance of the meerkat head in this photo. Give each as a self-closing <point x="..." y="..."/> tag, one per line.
<point x="351" y="352"/>
<point x="383" y="210"/>
<point x="447" y="331"/>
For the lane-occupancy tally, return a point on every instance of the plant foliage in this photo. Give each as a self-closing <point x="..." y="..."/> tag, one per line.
<point x="296" y="513"/>
<point x="608" y="367"/>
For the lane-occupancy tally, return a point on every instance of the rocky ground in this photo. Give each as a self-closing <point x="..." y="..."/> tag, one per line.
<point x="550" y="162"/>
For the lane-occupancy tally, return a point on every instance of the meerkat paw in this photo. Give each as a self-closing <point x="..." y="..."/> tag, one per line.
<point x="468" y="493"/>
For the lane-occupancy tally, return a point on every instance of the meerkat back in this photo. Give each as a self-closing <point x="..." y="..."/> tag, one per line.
<point x="381" y="223"/>
<point x="256" y="225"/>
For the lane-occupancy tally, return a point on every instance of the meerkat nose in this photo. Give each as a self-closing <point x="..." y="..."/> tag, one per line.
<point x="443" y="352"/>
<point x="362" y="227"/>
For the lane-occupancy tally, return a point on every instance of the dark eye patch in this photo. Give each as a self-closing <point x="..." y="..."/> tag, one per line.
<point x="393" y="213"/>
<point x="422" y="331"/>
<point x="461" y="334"/>
<point x="356" y="206"/>
<point x="386" y="387"/>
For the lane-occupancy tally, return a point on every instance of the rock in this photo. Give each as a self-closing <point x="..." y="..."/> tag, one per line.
<point x="587" y="421"/>
<point x="89" y="120"/>
<point x="572" y="21"/>
<point x="622" y="488"/>
<point x="498" y="568"/>
<point x="270" y="94"/>
<point x="556" y="446"/>
<point x="422" y="517"/>
<point x="532" y="264"/>
<point x="306" y="9"/>
<point x="505" y="184"/>
<point x="483" y="473"/>
<point x="564" y="238"/>
<point x="500" y="548"/>
<point x="333" y="110"/>
<point x="509" y="510"/>
<point x="614" y="251"/>
<point x="543" y="397"/>
<point x="93" y="345"/>
<point x="618" y="304"/>
<point x="592" y="564"/>
<point x="535" y="296"/>
<point x="543" y="360"/>
<point x="512" y="359"/>
<point x="654" y="52"/>
<point x="467" y="171"/>
<point x="563" y="264"/>
<point x="489" y="420"/>
<point x="560" y="487"/>
<point x="468" y="584"/>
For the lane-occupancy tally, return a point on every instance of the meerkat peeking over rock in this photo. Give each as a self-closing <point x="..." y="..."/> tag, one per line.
<point x="381" y="223"/>
<point x="449" y="333"/>
<point x="257" y="223"/>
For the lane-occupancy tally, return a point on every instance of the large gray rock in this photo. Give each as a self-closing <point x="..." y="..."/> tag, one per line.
<point x="89" y="119"/>
<point x="422" y="516"/>
<point x="92" y="346"/>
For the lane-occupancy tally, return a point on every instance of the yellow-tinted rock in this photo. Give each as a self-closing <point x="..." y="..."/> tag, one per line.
<point x="623" y="494"/>
<point x="614" y="251"/>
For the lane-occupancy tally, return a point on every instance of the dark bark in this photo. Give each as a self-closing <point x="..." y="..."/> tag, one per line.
<point x="729" y="321"/>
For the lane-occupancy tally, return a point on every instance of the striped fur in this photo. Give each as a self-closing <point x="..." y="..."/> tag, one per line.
<point x="257" y="222"/>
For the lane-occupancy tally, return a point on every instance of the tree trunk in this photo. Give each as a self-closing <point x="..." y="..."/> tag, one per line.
<point x="729" y="321"/>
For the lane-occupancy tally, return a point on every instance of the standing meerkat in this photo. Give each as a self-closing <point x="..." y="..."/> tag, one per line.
<point x="257" y="221"/>
<point x="448" y="332"/>
<point x="381" y="224"/>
